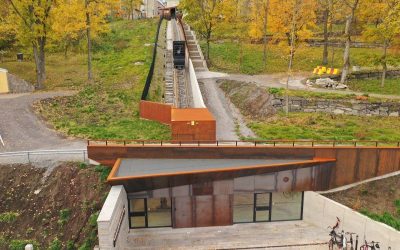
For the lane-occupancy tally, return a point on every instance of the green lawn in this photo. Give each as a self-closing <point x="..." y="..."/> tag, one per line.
<point x="320" y="126"/>
<point x="108" y="108"/>
<point x="225" y="57"/>
<point x="392" y="86"/>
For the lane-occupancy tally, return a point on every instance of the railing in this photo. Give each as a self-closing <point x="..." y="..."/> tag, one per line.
<point x="255" y="143"/>
<point x="43" y="155"/>
<point x="153" y="62"/>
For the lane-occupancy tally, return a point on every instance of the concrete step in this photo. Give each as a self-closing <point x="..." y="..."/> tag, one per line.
<point x="197" y="63"/>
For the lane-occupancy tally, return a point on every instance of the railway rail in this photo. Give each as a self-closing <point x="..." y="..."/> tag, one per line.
<point x="180" y="78"/>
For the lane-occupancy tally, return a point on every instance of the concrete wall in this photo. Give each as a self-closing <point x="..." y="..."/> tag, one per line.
<point x="322" y="212"/>
<point x="110" y="219"/>
<point x="195" y="89"/>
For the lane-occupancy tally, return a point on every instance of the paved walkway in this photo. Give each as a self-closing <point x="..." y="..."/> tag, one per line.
<point x="278" y="80"/>
<point x="270" y="235"/>
<point x="21" y="129"/>
<point x="230" y="122"/>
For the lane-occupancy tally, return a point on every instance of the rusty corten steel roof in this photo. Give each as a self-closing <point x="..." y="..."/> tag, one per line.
<point x="191" y="114"/>
<point x="142" y="167"/>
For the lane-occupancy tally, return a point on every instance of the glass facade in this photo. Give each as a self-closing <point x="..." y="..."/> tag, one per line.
<point x="286" y="206"/>
<point x="154" y="212"/>
<point x="243" y="207"/>
<point x="257" y="207"/>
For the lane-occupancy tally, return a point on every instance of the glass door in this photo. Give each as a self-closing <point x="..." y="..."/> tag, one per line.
<point x="262" y="207"/>
<point x="138" y="213"/>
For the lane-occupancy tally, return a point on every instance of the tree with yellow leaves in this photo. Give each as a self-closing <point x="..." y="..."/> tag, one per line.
<point x="33" y="20"/>
<point x="385" y="17"/>
<point x="204" y="16"/>
<point x="259" y="23"/>
<point x="292" y="21"/>
<point x="68" y="24"/>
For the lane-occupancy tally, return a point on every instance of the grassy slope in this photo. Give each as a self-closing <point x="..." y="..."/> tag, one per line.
<point x="392" y="86"/>
<point x="108" y="108"/>
<point x="225" y="57"/>
<point x="327" y="127"/>
<point x="384" y="194"/>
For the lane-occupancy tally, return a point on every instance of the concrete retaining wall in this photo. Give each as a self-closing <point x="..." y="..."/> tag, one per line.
<point x="198" y="101"/>
<point x="322" y="212"/>
<point x="115" y="207"/>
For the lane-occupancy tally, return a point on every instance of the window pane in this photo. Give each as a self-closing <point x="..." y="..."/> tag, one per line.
<point x="286" y="206"/>
<point x="136" y="205"/>
<point x="243" y="207"/>
<point x="262" y="199"/>
<point x="138" y="221"/>
<point x="159" y="212"/>
<point x="262" y="215"/>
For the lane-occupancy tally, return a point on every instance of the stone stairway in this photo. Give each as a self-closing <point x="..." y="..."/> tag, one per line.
<point x="195" y="53"/>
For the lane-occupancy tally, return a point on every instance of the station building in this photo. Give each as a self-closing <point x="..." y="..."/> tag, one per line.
<point x="201" y="184"/>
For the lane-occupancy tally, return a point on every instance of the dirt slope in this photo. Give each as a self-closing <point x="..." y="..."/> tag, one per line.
<point x="57" y="210"/>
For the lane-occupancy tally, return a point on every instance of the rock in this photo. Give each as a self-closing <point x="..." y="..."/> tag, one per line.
<point x="341" y="86"/>
<point x="326" y="82"/>
<point x="394" y="114"/>
<point x="338" y="111"/>
<point x="138" y="63"/>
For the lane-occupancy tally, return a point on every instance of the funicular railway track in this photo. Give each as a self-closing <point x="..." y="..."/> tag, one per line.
<point x="180" y="78"/>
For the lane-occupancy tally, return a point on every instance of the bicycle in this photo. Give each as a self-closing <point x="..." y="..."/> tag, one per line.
<point x="337" y="239"/>
<point x="370" y="246"/>
<point x="351" y="242"/>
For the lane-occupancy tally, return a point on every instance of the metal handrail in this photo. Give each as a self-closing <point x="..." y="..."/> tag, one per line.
<point x="255" y="143"/>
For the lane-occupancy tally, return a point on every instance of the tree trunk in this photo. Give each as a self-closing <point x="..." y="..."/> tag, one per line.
<point x="346" y="55"/>
<point x="89" y="42"/>
<point x="326" y="36"/>
<point x="292" y="48"/>
<point x="240" y="54"/>
<point x="208" y="46"/>
<point x="265" y="33"/>
<point x="384" y="64"/>
<point x="39" y="54"/>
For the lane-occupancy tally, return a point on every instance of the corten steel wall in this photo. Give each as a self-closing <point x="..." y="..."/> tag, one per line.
<point x="155" y="111"/>
<point x="201" y="130"/>
<point x="353" y="163"/>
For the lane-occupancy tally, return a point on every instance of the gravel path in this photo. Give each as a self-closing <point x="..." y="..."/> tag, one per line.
<point x="226" y="114"/>
<point x="21" y="129"/>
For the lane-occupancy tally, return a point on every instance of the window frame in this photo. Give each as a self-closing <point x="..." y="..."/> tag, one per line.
<point x="144" y="213"/>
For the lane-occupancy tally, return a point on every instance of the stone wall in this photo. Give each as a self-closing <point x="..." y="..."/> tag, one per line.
<point x="349" y="107"/>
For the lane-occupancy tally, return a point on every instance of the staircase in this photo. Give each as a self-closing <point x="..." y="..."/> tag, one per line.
<point x="195" y="53"/>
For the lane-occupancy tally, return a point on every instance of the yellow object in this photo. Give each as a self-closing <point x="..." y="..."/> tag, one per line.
<point x="315" y="71"/>
<point x="4" y="81"/>
<point x="320" y="72"/>
<point x="323" y="69"/>
<point x="335" y="71"/>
